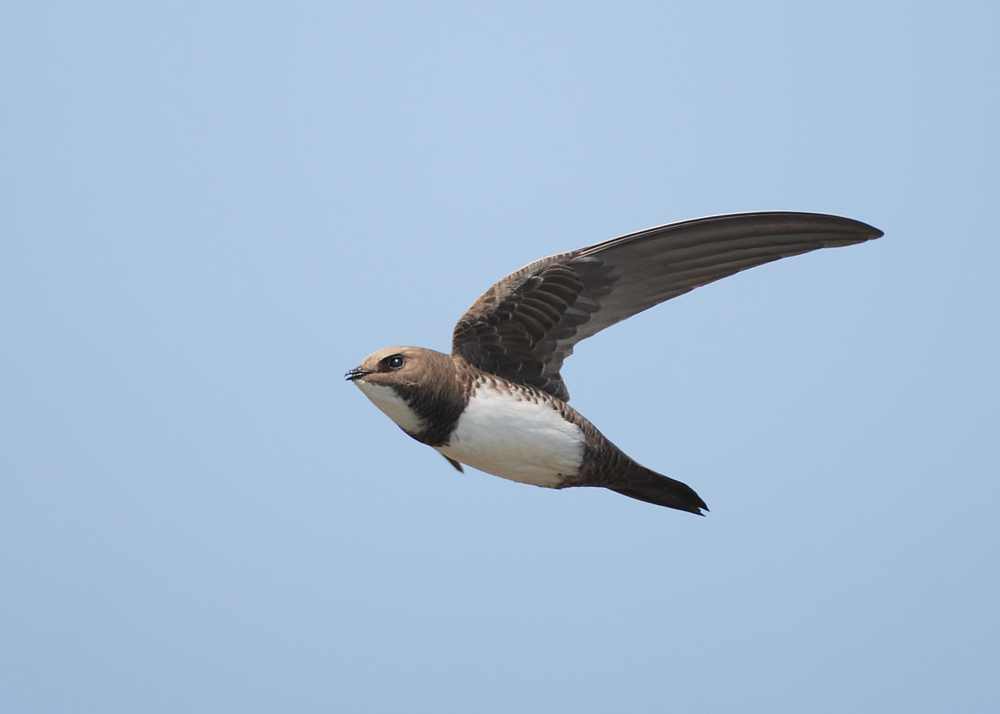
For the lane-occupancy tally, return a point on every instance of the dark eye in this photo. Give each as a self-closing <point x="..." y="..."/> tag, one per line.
<point x="394" y="362"/>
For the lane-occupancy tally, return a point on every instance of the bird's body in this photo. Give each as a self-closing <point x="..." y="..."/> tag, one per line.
<point x="518" y="433"/>
<point x="498" y="403"/>
<point x="503" y="428"/>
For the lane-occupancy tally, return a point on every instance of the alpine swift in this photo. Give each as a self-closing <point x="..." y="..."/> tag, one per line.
<point x="497" y="402"/>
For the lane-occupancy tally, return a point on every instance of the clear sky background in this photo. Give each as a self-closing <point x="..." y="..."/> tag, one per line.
<point x="210" y="211"/>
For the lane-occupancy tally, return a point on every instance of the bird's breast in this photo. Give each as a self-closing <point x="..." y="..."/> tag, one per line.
<point x="517" y="434"/>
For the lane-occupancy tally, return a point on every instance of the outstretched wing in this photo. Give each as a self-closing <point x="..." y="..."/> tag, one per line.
<point x="524" y="326"/>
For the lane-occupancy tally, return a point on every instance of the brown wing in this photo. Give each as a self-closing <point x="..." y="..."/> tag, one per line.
<point x="524" y="326"/>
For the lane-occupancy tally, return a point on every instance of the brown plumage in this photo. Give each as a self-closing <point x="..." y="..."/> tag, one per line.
<point x="509" y="347"/>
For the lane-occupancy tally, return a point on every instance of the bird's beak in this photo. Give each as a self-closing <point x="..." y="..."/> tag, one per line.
<point x="357" y="373"/>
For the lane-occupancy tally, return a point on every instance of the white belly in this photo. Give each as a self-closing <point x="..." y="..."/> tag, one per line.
<point x="510" y="435"/>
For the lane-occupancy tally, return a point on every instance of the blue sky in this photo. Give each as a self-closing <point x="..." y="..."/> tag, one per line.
<point x="210" y="211"/>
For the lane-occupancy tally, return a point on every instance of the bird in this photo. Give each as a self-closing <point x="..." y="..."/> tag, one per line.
<point x="498" y="403"/>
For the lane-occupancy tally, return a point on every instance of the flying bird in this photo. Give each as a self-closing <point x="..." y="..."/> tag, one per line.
<point x="498" y="403"/>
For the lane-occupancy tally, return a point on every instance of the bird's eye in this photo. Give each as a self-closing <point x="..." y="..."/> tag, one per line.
<point x="394" y="362"/>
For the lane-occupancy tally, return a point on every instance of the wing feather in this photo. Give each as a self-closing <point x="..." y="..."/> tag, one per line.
<point x="525" y="325"/>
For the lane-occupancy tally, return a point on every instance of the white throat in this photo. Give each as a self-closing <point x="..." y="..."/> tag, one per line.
<point x="393" y="406"/>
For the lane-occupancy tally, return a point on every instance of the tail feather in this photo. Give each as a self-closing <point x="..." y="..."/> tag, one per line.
<point x="651" y="487"/>
<point x="604" y="464"/>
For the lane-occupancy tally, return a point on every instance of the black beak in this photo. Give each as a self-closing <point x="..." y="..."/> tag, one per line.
<point x="357" y="373"/>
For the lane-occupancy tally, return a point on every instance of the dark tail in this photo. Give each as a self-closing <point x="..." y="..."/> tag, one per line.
<point x="640" y="483"/>
<point x="604" y="464"/>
